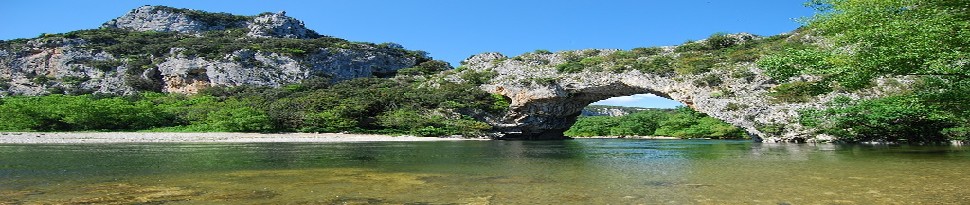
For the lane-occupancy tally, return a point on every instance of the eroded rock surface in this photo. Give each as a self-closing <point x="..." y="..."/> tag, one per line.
<point x="67" y="65"/>
<point x="545" y="102"/>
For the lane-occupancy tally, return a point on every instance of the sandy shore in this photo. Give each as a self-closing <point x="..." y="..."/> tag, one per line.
<point x="172" y="137"/>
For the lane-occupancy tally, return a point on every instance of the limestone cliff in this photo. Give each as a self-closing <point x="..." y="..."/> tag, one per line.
<point x="182" y="51"/>
<point x="547" y="93"/>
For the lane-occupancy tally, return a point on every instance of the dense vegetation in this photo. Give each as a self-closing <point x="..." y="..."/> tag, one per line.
<point x="402" y="105"/>
<point x="691" y="58"/>
<point x="682" y="122"/>
<point x="926" y="41"/>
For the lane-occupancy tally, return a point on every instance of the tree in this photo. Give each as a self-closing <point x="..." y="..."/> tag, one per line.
<point x="869" y="39"/>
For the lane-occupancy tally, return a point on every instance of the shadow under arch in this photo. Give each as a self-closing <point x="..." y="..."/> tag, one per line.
<point x="547" y="118"/>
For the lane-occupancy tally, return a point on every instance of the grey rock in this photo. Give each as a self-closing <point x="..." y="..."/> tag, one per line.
<point x="163" y="19"/>
<point x="46" y="65"/>
<point x="279" y="25"/>
<point x="545" y="102"/>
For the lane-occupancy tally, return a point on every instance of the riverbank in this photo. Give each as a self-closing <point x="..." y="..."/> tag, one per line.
<point x="211" y="137"/>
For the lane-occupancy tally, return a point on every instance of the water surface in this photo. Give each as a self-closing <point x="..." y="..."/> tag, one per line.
<point x="583" y="171"/>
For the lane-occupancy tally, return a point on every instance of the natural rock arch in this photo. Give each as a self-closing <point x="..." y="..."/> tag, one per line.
<point x="546" y="101"/>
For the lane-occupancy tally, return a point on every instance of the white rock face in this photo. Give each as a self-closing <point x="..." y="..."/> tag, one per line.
<point x="545" y="102"/>
<point x="58" y="65"/>
<point x="156" y="18"/>
<point x="280" y="26"/>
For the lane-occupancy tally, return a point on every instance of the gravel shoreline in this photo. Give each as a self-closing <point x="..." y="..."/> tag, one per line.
<point x="208" y="137"/>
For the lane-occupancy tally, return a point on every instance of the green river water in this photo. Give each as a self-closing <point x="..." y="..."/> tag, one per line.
<point x="582" y="171"/>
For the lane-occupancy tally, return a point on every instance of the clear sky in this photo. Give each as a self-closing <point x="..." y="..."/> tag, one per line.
<point x="453" y="30"/>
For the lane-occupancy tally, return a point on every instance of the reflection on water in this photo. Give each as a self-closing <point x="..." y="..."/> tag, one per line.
<point x="587" y="171"/>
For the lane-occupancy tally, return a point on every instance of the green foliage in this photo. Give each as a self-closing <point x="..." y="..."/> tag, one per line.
<point x="543" y="52"/>
<point x="771" y="129"/>
<point x="731" y="106"/>
<point x="238" y="119"/>
<point x="40" y="79"/>
<point x="687" y="123"/>
<point x="592" y="126"/>
<point x="744" y="74"/>
<point x="791" y="63"/>
<point x="683" y="123"/>
<point x="570" y="67"/>
<point x="691" y="46"/>
<point x="903" y="118"/>
<point x="691" y="64"/>
<point x="500" y="103"/>
<point x="478" y="77"/>
<point x="368" y="105"/>
<point x="882" y="38"/>
<point x="709" y="80"/>
<point x="798" y="91"/>
<point x="105" y="66"/>
<point x="658" y="65"/>
<point x="426" y="68"/>
<point x="4" y="83"/>
<point x="646" y="51"/>
<point x="74" y="113"/>
<point x="720" y="41"/>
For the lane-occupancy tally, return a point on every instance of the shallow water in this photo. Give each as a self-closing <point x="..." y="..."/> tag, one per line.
<point x="583" y="171"/>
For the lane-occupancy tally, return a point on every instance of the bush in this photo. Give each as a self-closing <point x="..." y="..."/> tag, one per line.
<point x="570" y="67"/>
<point x="659" y="65"/>
<point x="903" y="118"/>
<point x="690" y="64"/>
<point x="798" y="91"/>
<point x="543" y="52"/>
<point x="708" y="80"/>
<point x="683" y="123"/>
<point x="646" y="51"/>
<point x="720" y="41"/>
<point x="478" y="77"/>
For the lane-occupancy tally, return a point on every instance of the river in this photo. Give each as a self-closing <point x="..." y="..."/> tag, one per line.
<point x="582" y="171"/>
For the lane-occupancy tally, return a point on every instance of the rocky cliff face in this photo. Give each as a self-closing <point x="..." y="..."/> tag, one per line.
<point x="545" y="101"/>
<point x="72" y="64"/>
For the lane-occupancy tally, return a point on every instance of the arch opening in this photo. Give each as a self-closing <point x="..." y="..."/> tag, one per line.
<point x="629" y="111"/>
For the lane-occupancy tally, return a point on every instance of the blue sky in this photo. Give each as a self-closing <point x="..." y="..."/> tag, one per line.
<point x="453" y="30"/>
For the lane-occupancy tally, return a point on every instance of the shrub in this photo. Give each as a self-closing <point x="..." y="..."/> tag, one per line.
<point x="646" y="51"/>
<point x="691" y="46"/>
<point x="798" y="91"/>
<point x="734" y="106"/>
<point x="658" y="65"/>
<point x="570" y="67"/>
<point x="903" y="118"/>
<point x="709" y="80"/>
<point x="693" y="64"/>
<point x="543" y="52"/>
<point x="720" y="41"/>
<point x="478" y="77"/>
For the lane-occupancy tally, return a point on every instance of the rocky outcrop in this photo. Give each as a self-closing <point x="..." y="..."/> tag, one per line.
<point x="167" y="19"/>
<point x="72" y="65"/>
<point x="58" y="65"/>
<point x="188" y="74"/>
<point x="545" y="102"/>
<point x="279" y="25"/>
